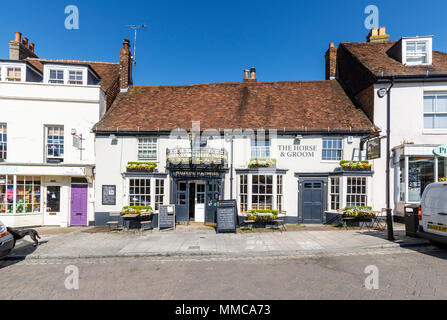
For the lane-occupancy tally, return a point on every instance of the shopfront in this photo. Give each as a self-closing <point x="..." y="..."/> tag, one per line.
<point x="416" y="166"/>
<point x="51" y="198"/>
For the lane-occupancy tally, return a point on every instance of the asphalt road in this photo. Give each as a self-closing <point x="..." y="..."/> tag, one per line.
<point x="402" y="274"/>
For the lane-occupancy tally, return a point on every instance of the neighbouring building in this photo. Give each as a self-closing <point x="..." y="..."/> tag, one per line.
<point x="270" y="145"/>
<point x="47" y="151"/>
<point x="418" y="76"/>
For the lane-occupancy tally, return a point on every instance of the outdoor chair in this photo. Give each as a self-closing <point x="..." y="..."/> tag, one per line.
<point x="380" y="220"/>
<point x="279" y="222"/>
<point x="114" y="223"/>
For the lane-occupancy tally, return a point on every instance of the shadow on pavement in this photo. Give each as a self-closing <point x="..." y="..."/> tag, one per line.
<point x="19" y="253"/>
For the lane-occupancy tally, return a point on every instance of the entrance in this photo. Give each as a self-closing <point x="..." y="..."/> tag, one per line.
<point x="78" y="216"/>
<point x="52" y="206"/>
<point x="196" y="199"/>
<point x="312" y="195"/>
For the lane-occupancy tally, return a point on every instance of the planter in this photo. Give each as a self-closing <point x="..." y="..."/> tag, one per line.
<point x="356" y="222"/>
<point x="139" y="170"/>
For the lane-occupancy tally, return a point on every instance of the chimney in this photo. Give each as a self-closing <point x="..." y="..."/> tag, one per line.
<point x="378" y="35"/>
<point x="331" y="62"/>
<point x="19" y="49"/>
<point x="251" y="77"/>
<point x="252" y="74"/>
<point x="246" y="75"/>
<point x="125" y="66"/>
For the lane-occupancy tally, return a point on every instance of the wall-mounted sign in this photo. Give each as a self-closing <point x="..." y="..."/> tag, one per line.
<point x="373" y="149"/>
<point x="441" y="151"/>
<point x="297" y="151"/>
<point x="108" y="195"/>
<point x="196" y="174"/>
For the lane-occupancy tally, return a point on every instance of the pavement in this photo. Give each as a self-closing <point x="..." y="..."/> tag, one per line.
<point x="96" y="242"/>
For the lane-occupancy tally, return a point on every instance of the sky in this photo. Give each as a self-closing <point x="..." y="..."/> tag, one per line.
<point x="193" y="41"/>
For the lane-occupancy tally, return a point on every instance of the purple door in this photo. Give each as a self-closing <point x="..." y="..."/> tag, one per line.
<point x="79" y="204"/>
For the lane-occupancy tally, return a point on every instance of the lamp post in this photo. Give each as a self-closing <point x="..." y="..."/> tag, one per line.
<point x="389" y="219"/>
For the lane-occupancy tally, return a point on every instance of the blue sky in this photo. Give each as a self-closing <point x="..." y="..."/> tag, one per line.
<point x="213" y="41"/>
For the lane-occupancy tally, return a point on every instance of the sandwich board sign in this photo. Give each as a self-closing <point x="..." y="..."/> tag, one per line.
<point x="166" y="217"/>
<point x="441" y="151"/>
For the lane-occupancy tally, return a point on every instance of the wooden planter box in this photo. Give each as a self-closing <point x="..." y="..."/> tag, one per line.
<point x="139" y="170"/>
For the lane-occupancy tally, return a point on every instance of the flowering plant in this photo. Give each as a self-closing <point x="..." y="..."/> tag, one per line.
<point x="148" y="166"/>
<point x="136" y="210"/>
<point x="261" y="163"/>
<point x="256" y="215"/>
<point x="355" y="165"/>
<point x="359" y="212"/>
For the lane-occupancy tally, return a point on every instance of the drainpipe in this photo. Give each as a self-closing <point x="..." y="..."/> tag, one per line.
<point x="231" y="169"/>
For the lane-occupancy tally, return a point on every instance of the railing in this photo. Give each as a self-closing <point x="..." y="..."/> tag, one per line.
<point x="196" y="156"/>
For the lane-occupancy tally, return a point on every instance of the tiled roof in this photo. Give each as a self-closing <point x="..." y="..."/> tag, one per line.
<point x="108" y="71"/>
<point x="288" y="105"/>
<point x="376" y="58"/>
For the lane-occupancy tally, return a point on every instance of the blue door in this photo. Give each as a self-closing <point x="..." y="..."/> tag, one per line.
<point x="181" y="193"/>
<point x="312" y="201"/>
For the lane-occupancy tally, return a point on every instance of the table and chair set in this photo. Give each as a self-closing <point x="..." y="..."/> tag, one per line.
<point x="266" y="219"/>
<point x="364" y="218"/>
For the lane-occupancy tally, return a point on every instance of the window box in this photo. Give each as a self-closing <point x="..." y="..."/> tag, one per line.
<point x="262" y="163"/>
<point x="141" y="167"/>
<point x="355" y="165"/>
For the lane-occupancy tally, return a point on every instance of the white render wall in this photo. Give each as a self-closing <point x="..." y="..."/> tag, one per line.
<point x="407" y="124"/>
<point x="111" y="161"/>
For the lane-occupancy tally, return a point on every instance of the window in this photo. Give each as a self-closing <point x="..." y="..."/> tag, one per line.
<point x="279" y="194"/>
<point x="56" y="76"/>
<point x="181" y="193"/>
<point x="147" y="148"/>
<point x="14" y="74"/>
<point x="6" y="194"/>
<point x="421" y="172"/>
<point x="243" y="193"/>
<point x="140" y="192"/>
<point x="416" y="52"/>
<point x="159" y="193"/>
<point x="3" y="141"/>
<point x="260" y="148"/>
<point x="262" y="192"/>
<point x="75" y="77"/>
<point x="435" y="111"/>
<point x="356" y="192"/>
<point x="55" y="142"/>
<point x="335" y="193"/>
<point x="332" y="149"/>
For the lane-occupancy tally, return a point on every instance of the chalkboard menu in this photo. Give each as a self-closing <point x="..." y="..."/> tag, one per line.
<point x="108" y="195"/>
<point x="226" y="216"/>
<point x="166" y="217"/>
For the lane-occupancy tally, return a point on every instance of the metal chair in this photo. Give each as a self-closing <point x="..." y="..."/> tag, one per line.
<point x="380" y="220"/>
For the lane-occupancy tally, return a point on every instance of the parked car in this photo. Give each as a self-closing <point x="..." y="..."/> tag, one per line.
<point x="433" y="213"/>
<point x="6" y="241"/>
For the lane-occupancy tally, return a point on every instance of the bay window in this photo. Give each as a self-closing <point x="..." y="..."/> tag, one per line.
<point x="159" y="193"/>
<point x="243" y="193"/>
<point x="147" y="192"/>
<point x="356" y="193"/>
<point x="261" y="192"/>
<point x="335" y="194"/>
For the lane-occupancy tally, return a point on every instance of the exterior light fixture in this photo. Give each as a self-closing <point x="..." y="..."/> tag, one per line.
<point x="298" y="139"/>
<point x="382" y="92"/>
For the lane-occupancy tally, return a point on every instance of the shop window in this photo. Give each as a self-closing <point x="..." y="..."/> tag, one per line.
<point x="14" y="74"/>
<point x="435" y="111"/>
<point x="53" y="199"/>
<point x="243" y="193"/>
<point x="262" y="192"/>
<point x="75" y="77"/>
<point x="420" y="174"/>
<point x="55" y="142"/>
<point x="6" y="194"/>
<point x="260" y="148"/>
<point x="28" y="192"/>
<point x="441" y="168"/>
<point x="279" y="193"/>
<point x="335" y="193"/>
<point x="332" y="149"/>
<point x="147" y="148"/>
<point x="356" y="195"/>
<point x="3" y="141"/>
<point x="140" y="192"/>
<point x="159" y="193"/>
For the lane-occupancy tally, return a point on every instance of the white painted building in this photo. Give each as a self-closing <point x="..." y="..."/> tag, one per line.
<point x="418" y="109"/>
<point x="47" y="151"/>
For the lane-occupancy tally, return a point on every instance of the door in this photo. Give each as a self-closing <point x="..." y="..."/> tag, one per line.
<point x="212" y="196"/>
<point x="78" y="216"/>
<point x="312" y="201"/>
<point x="52" y="215"/>
<point x="181" y="190"/>
<point x="199" y="202"/>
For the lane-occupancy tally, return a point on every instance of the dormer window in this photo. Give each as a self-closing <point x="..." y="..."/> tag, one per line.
<point x="14" y="74"/>
<point x="56" y="76"/>
<point x="417" y="51"/>
<point x="75" y="77"/>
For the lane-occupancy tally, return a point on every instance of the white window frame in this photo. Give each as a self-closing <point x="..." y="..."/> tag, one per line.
<point x="47" y="130"/>
<point x="427" y="54"/>
<point x="144" y="194"/>
<point x="159" y="194"/>
<point x="76" y="82"/>
<point x="66" y="74"/>
<point x="3" y="150"/>
<point x="57" y="70"/>
<point x="17" y="68"/>
<point x="260" y="152"/>
<point x="140" y="146"/>
<point x="355" y="193"/>
<point x="335" y="191"/>
<point x="434" y="113"/>
<point x="243" y="192"/>
<point x="153" y="191"/>
<point x="332" y="149"/>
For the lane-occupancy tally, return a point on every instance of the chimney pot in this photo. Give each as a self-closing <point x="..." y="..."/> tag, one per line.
<point x="331" y="45"/>
<point x="252" y="73"/>
<point x="126" y="43"/>
<point x="25" y="41"/>
<point x="31" y="46"/>
<point x="246" y="74"/>
<point x="18" y="37"/>
<point x="378" y="35"/>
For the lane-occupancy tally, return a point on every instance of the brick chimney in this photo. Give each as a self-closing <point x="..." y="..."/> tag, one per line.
<point x="20" y="48"/>
<point x="378" y="35"/>
<point x="125" y="66"/>
<point x="331" y="62"/>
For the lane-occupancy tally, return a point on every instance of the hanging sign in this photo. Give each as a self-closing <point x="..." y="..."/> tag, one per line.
<point x="441" y="151"/>
<point x="373" y="149"/>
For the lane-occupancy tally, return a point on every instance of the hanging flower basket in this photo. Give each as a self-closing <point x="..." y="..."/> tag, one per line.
<point x="355" y="165"/>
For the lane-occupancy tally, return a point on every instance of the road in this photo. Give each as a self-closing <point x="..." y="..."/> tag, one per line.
<point x="402" y="274"/>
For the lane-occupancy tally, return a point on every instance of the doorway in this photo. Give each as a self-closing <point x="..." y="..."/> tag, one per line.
<point x="312" y="201"/>
<point x="52" y="205"/>
<point x="78" y="215"/>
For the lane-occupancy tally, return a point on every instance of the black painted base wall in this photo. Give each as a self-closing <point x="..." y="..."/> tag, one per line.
<point x="101" y="219"/>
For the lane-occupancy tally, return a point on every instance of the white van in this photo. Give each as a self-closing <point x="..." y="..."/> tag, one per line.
<point x="433" y="213"/>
